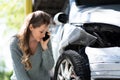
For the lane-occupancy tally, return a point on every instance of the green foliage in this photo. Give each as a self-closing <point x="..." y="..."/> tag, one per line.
<point x="13" y="12"/>
<point x="12" y="16"/>
<point x="2" y="72"/>
<point x="4" y="75"/>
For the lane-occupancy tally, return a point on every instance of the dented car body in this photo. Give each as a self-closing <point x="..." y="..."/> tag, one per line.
<point x="86" y="45"/>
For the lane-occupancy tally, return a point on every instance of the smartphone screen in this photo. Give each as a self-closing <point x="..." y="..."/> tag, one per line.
<point x="46" y="36"/>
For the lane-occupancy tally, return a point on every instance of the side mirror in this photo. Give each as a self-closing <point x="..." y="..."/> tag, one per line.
<point x="60" y="18"/>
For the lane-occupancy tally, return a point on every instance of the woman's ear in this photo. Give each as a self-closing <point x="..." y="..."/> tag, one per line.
<point x="31" y="27"/>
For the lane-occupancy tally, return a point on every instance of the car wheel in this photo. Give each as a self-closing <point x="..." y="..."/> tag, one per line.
<point x="70" y="66"/>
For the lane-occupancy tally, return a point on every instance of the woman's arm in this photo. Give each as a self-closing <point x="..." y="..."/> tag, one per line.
<point x="47" y="58"/>
<point x="16" y="55"/>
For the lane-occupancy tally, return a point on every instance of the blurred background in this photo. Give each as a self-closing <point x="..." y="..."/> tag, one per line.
<point x="12" y="14"/>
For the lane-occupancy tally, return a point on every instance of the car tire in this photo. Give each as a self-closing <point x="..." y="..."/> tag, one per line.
<point x="70" y="66"/>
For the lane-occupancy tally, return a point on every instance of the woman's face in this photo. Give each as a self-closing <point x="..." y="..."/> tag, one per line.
<point x="39" y="32"/>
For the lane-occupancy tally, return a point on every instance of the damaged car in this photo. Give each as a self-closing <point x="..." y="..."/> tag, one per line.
<point x="86" y="43"/>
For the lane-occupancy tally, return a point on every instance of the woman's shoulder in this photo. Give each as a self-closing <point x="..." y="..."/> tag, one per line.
<point x="14" y="45"/>
<point x="14" y="41"/>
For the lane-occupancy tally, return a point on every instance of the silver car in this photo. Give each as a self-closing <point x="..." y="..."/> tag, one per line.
<point x="86" y="43"/>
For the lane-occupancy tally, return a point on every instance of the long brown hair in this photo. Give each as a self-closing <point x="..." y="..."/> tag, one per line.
<point x="37" y="19"/>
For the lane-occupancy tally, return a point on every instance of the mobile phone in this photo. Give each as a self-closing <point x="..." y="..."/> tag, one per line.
<point x="46" y="36"/>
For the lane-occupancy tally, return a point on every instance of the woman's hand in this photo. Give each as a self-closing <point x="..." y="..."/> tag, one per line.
<point x="44" y="43"/>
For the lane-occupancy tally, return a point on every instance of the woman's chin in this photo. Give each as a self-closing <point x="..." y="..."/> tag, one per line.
<point x="39" y="40"/>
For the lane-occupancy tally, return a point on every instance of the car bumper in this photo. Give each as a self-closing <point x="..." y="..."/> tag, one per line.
<point x="105" y="70"/>
<point x="104" y="62"/>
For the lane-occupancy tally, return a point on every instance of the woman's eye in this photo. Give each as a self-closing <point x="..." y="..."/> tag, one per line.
<point x="41" y="31"/>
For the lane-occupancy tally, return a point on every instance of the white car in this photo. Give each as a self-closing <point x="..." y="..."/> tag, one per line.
<point x="86" y="44"/>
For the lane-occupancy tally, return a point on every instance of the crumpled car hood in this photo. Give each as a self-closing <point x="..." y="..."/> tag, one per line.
<point x="100" y="14"/>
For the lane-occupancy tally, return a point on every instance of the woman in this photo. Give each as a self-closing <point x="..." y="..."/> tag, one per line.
<point x="32" y="56"/>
